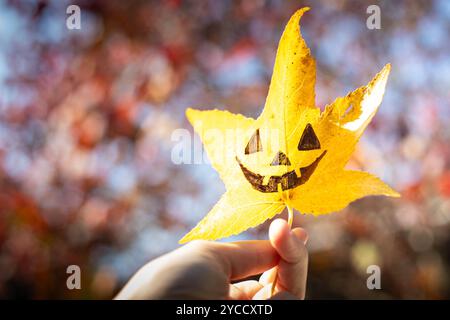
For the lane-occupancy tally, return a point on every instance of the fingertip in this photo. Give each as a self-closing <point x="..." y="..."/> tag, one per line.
<point x="277" y="230"/>
<point x="290" y="245"/>
<point x="264" y="293"/>
<point x="268" y="276"/>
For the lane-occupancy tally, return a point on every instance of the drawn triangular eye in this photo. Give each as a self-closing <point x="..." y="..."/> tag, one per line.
<point x="309" y="140"/>
<point x="254" y="144"/>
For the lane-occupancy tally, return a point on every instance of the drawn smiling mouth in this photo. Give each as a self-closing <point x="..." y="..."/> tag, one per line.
<point x="289" y="180"/>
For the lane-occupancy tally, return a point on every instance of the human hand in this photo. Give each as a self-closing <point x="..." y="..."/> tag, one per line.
<point x="205" y="269"/>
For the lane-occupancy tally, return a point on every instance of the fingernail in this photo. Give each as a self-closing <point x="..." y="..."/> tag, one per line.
<point x="300" y="234"/>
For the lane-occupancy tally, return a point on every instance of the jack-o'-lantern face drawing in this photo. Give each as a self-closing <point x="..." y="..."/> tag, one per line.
<point x="293" y="154"/>
<point x="290" y="179"/>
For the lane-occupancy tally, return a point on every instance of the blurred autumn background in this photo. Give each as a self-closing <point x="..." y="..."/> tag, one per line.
<point x="86" y="118"/>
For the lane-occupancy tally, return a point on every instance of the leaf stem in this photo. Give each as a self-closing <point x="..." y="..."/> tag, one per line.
<point x="290" y="220"/>
<point x="290" y="216"/>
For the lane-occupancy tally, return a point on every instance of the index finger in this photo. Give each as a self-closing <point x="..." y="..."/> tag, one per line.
<point x="245" y="258"/>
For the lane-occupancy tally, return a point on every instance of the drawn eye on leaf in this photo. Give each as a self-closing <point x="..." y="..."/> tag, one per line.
<point x="254" y="144"/>
<point x="306" y="171"/>
<point x="309" y="140"/>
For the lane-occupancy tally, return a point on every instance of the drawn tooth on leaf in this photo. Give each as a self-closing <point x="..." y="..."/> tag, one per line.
<point x="293" y="154"/>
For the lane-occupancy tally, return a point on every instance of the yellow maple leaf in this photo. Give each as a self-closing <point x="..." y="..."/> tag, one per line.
<point x="292" y="154"/>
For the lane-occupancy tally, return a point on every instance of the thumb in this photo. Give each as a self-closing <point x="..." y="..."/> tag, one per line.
<point x="293" y="265"/>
